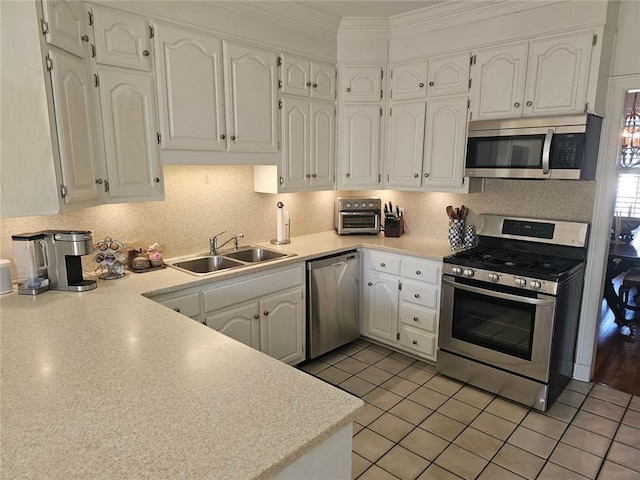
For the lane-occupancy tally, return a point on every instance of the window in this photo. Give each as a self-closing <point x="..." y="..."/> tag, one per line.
<point x="628" y="194"/>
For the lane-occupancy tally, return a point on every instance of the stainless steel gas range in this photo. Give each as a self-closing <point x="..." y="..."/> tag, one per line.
<point x="510" y="308"/>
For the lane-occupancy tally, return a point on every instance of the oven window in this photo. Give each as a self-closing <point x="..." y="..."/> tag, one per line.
<point x="501" y="325"/>
<point x="359" y="221"/>
<point x="522" y="151"/>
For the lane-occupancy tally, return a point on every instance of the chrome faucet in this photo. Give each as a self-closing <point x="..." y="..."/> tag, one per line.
<point x="213" y="242"/>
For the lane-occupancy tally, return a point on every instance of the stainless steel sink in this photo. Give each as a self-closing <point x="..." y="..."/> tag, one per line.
<point x="256" y="254"/>
<point x="207" y="264"/>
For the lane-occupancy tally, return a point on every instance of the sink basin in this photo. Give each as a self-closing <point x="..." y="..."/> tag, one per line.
<point x="207" y="264"/>
<point x="256" y="254"/>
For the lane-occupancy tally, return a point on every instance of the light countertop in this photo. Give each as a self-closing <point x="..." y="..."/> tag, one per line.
<point x="110" y="384"/>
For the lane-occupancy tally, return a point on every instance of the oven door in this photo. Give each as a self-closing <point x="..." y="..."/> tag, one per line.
<point x="358" y="222"/>
<point x="495" y="326"/>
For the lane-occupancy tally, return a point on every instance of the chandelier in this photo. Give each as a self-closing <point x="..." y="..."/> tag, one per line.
<point x="630" y="150"/>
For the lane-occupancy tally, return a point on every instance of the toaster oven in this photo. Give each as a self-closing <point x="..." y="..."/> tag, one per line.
<point x="359" y="215"/>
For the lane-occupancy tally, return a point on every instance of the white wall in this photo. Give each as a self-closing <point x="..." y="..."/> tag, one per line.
<point x="626" y="60"/>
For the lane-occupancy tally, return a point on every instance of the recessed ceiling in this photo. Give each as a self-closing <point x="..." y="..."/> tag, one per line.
<point x="368" y="8"/>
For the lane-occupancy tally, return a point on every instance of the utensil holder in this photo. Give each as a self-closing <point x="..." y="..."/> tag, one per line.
<point x="456" y="232"/>
<point x="394" y="227"/>
<point x="469" y="236"/>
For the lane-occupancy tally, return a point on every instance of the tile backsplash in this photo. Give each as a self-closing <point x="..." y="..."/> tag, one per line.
<point x="201" y="201"/>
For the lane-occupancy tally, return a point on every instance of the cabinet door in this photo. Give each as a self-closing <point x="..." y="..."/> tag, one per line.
<point x="361" y="84"/>
<point x="240" y="323"/>
<point x="323" y="81"/>
<point x="498" y="82"/>
<point x="252" y="107"/>
<point x="295" y="143"/>
<point x="557" y="74"/>
<point x="448" y="75"/>
<point x="130" y="135"/>
<point x="406" y="141"/>
<point x="409" y="80"/>
<point x="322" y="138"/>
<point x="445" y="142"/>
<point x="380" y="298"/>
<point x="359" y="163"/>
<point x="122" y="40"/>
<point x="282" y="326"/>
<point x="296" y="78"/>
<point x="190" y="94"/>
<point x="75" y="127"/>
<point x="63" y="25"/>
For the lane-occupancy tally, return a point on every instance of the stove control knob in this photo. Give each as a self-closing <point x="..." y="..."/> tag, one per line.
<point x="535" y="285"/>
<point x="521" y="282"/>
<point x="494" y="277"/>
<point x="456" y="271"/>
<point x="468" y="272"/>
<point x="370" y="205"/>
<point x="348" y="205"/>
<point x="356" y="205"/>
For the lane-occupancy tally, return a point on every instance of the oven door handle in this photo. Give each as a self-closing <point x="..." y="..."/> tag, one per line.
<point x="504" y="296"/>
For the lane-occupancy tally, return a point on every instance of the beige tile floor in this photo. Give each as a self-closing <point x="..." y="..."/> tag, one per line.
<point x="417" y="424"/>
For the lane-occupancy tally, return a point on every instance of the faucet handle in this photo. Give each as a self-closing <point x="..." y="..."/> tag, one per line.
<point x="218" y="234"/>
<point x="235" y="239"/>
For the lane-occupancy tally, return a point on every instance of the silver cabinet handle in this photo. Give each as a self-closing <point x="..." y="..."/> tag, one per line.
<point x="256" y="316"/>
<point x="383" y="265"/>
<point x="177" y="309"/>
<point x="415" y="175"/>
<point x="418" y="272"/>
<point x="99" y="181"/>
<point x="370" y="284"/>
<point x="421" y="84"/>
<point x="145" y="53"/>
<point x="307" y="176"/>
<point x="415" y="319"/>
<point x="265" y="313"/>
<point x="156" y="180"/>
<point x="529" y="103"/>
<point x="348" y="175"/>
<point x="233" y="138"/>
<point x="426" y="175"/>
<point x="84" y="38"/>
<point x="313" y="175"/>
<point x="415" y="342"/>
<point x="417" y="295"/>
<point x="223" y="136"/>
<point x="517" y="104"/>
<point x="348" y="89"/>
<point x="308" y="84"/>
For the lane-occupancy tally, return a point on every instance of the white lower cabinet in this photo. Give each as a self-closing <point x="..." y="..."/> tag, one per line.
<point x="282" y="326"/>
<point x="240" y="323"/>
<point x="400" y="302"/>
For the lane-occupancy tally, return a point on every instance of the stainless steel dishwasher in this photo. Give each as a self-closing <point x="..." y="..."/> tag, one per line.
<point x="333" y="302"/>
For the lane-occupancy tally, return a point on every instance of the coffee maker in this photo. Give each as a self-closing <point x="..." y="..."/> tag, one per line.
<point x="64" y="249"/>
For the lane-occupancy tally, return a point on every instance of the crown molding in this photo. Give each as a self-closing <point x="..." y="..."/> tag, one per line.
<point x="289" y="14"/>
<point x="364" y="28"/>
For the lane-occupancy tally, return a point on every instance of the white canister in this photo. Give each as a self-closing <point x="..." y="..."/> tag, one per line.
<point x="5" y="277"/>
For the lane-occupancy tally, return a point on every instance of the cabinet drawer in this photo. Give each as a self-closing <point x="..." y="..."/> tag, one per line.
<point x="188" y="305"/>
<point x="384" y="262"/>
<point x="419" y="317"/>
<point x="252" y="287"/>
<point x="423" y="342"/>
<point x="421" y="271"/>
<point x="421" y="294"/>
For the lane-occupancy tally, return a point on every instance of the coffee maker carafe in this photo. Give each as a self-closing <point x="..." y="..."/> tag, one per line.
<point x="64" y="249"/>
<point x="30" y="257"/>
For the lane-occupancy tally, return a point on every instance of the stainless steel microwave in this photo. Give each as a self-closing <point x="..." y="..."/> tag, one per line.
<point x="563" y="147"/>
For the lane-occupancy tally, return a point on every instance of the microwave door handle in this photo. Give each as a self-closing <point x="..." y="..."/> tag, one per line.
<point x="504" y="296"/>
<point x="546" y="151"/>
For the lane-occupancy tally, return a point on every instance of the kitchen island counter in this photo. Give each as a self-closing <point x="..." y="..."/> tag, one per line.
<point x="110" y="384"/>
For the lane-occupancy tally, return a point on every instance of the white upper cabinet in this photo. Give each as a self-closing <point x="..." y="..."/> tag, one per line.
<point x="405" y="145"/>
<point x="547" y="76"/>
<point x="63" y="26"/>
<point x="361" y="84"/>
<point x="75" y="127"/>
<point x="408" y="80"/>
<point x="445" y="142"/>
<point x="498" y="82"/>
<point x="130" y="135"/>
<point x="448" y="75"/>
<point x="308" y="78"/>
<point x="190" y="89"/>
<point x="252" y="106"/>
<point x="322" y="145"/>
<point x="121" y="40"/>
<point x="359" y="164"/>
<point x="557" y="74"/>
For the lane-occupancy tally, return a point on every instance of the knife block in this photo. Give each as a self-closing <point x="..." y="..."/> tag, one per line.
<point x="393" y="227"/>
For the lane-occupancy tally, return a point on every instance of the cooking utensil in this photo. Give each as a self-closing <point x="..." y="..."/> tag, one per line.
<point x="450" y="211"/>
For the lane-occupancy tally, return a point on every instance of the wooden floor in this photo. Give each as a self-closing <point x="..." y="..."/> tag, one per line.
<point x="618" y="354"/>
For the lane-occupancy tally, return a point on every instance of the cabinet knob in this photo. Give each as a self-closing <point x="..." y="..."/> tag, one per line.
<point x="383" y="265"/>
<point x="418" y="272"/>
<point x="529" y="103"/>
<point x="256" y="316"/>
<point x="417" y="295"/>
<point x="348" y="89"/>
<point x="233" y="138"/>
<point x="370" y="284"/>
<point x="177" y="309"/>
<point x="313" y="175"/>
<point x="348" y="175"/>
<point x="415" y="342"/>
<point x="426" y="175"/>
<point x="99" y="181"/>
<point x="145" y="53"/>
<point x="308" y="84"/>
<point x="157" y="180"/>
<point x="415" y="175"/>
<point x="431" y="84"/>
<point x="315" y="85"/>
<point x="84" y="38"/>
<point x="223" y="136"/>
<point x="307" y="175"/>
<point x="265" y="313"/>
<point x="415" y="319"/>
<point x="421" y="84"/>
<point x="517" y="104"/>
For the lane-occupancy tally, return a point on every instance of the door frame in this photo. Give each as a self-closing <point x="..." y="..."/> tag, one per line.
<point x="604" y="202"/>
